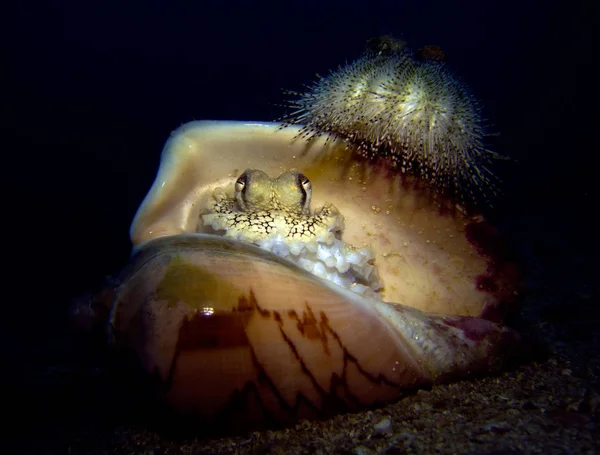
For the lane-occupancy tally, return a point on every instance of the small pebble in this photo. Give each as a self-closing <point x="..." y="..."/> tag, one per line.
<point x="384" y="426"/>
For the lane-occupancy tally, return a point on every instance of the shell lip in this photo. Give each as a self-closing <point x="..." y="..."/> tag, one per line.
<point x="194" y="240"/>
<point x="206" y="242"/>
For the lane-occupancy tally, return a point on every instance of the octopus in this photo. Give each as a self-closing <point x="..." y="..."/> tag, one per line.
<point x="275" y="214"/>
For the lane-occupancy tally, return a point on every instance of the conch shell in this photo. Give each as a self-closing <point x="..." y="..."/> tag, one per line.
<point x="233" y="333"/>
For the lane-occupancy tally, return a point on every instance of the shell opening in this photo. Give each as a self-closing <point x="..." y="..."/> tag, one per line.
<point x="312" y="241"/>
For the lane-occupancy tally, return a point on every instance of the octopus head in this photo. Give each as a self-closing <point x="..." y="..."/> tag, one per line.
<point x="275" y="214"/>
<point x="290" y="192"/>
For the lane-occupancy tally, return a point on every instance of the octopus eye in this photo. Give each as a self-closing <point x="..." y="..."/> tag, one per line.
<point x="304" y="182"/>
<point x="240" y="184"/>
<point x="307" y="192"/>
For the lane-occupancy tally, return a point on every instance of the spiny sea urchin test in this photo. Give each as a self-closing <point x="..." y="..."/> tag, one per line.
<point x="416" y="113"/>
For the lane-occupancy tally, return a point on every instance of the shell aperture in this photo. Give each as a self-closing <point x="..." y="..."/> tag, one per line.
<point x="275" y="214"/>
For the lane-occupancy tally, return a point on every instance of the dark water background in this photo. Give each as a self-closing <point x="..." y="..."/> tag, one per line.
<point x="91" y="91"/>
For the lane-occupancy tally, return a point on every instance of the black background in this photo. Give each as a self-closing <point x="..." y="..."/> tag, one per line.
<point x="92" y="89"/>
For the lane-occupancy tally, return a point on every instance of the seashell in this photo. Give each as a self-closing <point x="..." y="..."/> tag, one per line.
<point x="233" y="333"/>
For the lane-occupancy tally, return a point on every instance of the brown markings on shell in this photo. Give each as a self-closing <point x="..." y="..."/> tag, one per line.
<point x="212" y="332"/>
<point x="503" y="278"/>
<point x="309" y="327"/>
<point x="227" y="329"/>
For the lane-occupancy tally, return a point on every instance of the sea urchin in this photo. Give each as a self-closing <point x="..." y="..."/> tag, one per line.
<point x="417" y="113"/>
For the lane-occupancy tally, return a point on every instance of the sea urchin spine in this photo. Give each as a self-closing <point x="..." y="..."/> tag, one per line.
<point x="390" y="104"/>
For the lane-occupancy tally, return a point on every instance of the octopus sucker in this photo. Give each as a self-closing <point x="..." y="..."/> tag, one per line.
<point x="235" y="305"/>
